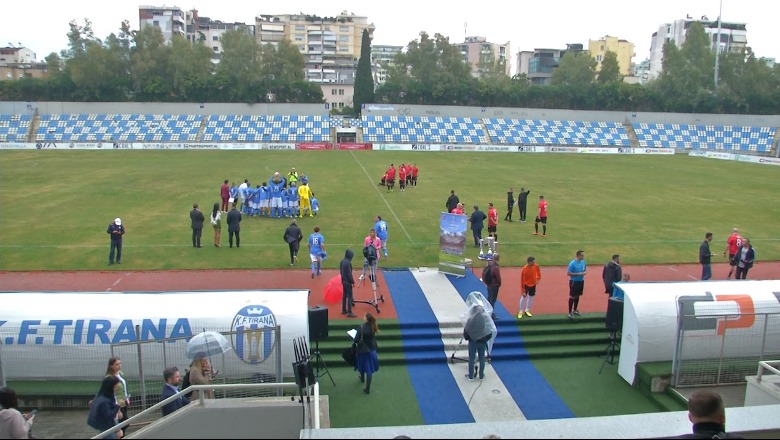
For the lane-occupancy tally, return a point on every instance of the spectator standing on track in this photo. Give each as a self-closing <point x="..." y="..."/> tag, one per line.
<point x="529" y="279"/>
<point x="733" y="243"/>
<point x="705" y="257"/>
<point x="347" y="283"/>
<point x="576" y="272"/>
<point x="612" y="274"/>
<point x="494" y="285"/>
<point x="116" y="231"/>
<point x="745" y="257"/>
<point x="477" y="221"/>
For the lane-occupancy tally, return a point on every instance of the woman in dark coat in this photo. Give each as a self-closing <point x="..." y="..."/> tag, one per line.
<point x="367" y="362"/>
<point x="104" y="410"/>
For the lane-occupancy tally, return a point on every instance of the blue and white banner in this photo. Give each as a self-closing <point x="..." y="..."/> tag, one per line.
<point x="452" y="243"/>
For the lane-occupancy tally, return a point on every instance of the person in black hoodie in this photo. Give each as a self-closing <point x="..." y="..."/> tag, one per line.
<point x="347" y="283"/>
<point x="293" y="237"/>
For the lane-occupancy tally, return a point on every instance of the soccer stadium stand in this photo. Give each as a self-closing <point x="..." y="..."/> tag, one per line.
<point x="118" y="128"/>
<point x="423" y="129"/>
<point x="14" y="128"/>
<point x="267" y="128"/>
<point x="542" y="132"/>
<point x="705" y="137"/>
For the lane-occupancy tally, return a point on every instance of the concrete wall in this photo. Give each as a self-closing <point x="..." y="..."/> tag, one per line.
<point x="572" y="115"/>
<point x="45" y="108"/>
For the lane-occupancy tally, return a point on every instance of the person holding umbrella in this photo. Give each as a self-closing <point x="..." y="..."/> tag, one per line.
<point x="200" y="374"/>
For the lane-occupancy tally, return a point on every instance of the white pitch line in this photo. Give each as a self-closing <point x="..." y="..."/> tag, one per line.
<point x="488" y="400"/>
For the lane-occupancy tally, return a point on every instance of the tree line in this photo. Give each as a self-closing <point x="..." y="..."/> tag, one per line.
<point x="138" y="66"/>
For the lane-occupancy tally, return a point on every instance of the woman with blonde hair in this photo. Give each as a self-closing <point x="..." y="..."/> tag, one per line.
<point x="367" y="362"/>
<point x="200" y="374"/>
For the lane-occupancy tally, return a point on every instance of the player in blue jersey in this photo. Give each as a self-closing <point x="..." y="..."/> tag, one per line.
<point x="380" y="226"/>
<point x="315" y="204"/>
<point x="316" y="251"/>
<point x="277" y="184"/>
<point x="292" y="193"/>
<point x="265" y="200"/>
<point x="233" y="193"/>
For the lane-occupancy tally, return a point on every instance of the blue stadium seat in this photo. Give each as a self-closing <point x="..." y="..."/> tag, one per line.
<point x="726" y="138"/>
<point x="14" y="128"/>
<point x="422" y="129"/>
<point x="552" y="132"/>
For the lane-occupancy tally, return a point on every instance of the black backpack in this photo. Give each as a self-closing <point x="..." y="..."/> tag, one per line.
<point x="185" y="383"/>
<point x="487" y="274"/>
<point x="370" y="253"/>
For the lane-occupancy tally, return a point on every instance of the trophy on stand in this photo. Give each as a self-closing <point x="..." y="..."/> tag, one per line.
<point x="481" y="249"/>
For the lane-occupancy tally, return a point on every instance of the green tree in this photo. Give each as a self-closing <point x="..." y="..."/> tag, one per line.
<point x="610" y="70"/>
<point x="151" y="66"/>
<point x="575" y="69"/>
<point x="364" y="80"/>
<point x="239" y="73"/>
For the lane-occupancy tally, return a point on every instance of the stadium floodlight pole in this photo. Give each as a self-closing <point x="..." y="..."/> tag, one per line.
<point x="717" y="44"/>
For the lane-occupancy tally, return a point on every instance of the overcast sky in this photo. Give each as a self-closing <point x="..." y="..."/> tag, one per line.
<point x="43" y="25"/>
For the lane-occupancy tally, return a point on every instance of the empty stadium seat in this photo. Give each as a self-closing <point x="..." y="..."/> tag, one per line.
<point x="422" y="129"/>
<point x="551" y="132"/>
<point x="118" y="128"/>
<point x="267" y="128"/>
<point x="14" y="128"/>
<point x="705" y="137"/>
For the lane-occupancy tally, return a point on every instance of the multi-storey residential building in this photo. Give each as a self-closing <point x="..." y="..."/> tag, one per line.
<point x="733" y="38"/>
<point x="622" y="48"/>
<point x="171" y="20"/>
<point x="209" y="32"/>
<point x="20" y="62"/>
<point x="477" y="51"/>
<point x="538" y="65"/>
<point x="330" y="47"/>
<point x="381" y="57"/>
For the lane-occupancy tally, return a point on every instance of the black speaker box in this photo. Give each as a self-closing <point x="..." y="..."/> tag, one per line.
<point x="318" y="323"/>
<point x="614" y="315"/>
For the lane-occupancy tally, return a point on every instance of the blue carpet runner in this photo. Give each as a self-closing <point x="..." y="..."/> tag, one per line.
<point x="438" y="396"/>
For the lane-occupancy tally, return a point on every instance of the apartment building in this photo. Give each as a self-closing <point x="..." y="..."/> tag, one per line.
<point x="206" y="31"/>
<point x="330" y="47"/>
<point x="382" y="56"/>
<point x="733" y="38"/>
<point x="622" y="48"/>
<point x="20" y="62"/>
<point x="477" y="51"/>
<point x="170" y="20"/>
<point x="538" y="64"/>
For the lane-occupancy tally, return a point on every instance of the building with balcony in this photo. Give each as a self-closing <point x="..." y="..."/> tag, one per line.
<point x="382" y="56"/>
<point x="733" y="38"/>
<point x="209" y="32"/>
<point x="330" y="47"/>
<point x="478" y="53"/>
<point x="622" y="48"/>
<point x="20" y="62"/>
<point x="170" y="20"/>
<point x="538" y="65"/>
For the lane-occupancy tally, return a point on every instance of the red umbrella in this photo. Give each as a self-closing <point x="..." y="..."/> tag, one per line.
<point x="334" y="291"/>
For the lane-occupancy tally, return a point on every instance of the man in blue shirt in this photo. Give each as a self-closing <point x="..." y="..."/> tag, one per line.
<point x="172" y="378"/>
<point x="316" y="251"/>
<point x="576" y="272"/>
<point x="380" y="226"/>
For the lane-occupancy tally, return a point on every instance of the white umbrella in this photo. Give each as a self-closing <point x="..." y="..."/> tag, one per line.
<point x="207" y="344"/>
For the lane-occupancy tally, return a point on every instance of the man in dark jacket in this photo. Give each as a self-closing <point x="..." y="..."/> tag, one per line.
<point x="172" y="378"/>
<point x="197" y="219"/>
<point x="293" y="237"/>
<point x="495" y="284"/>
<point x="347" y="282"/>
<point x="705" y="257"/>
<point x="522" y="203"/>
<point x="452" y="201"/>
<point x="477" y="221"/>
<point x="612" y="274"/>
<point x="706" y="412"/>
<point x="234" y="225"/>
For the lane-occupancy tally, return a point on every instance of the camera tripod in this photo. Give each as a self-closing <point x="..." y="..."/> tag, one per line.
<point x="319" y="363"/>
<point x="372" y="278"/>
<point x="612" y="349"/>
